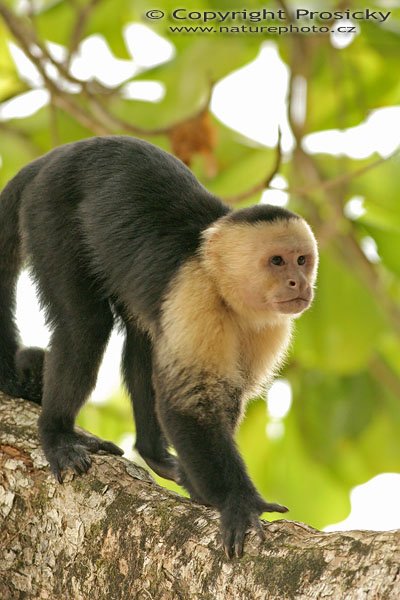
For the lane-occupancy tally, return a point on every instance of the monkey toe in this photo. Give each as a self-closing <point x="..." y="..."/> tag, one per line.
<point x="96" y="445"/>
<point x="272" y="507"/>
<point x="233" y="535"/>
<point x="110" y="448"/>
<point x="166" y="467"/>
<point x="71" y="456"/>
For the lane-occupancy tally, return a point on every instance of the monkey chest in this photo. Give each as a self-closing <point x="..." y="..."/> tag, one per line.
<point x="261" y="353"/>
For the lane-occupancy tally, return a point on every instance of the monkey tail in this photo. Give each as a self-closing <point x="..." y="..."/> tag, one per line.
<point x="21" y="369"/>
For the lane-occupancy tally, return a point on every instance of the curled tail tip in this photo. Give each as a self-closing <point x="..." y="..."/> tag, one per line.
<point x="29" y="364"/>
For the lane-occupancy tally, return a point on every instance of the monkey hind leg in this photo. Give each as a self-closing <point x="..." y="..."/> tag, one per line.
<point x="151" y="443"/>
<point x="71" y="369"/>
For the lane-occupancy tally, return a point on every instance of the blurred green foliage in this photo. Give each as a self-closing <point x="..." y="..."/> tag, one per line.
<point x="344" y="425"/>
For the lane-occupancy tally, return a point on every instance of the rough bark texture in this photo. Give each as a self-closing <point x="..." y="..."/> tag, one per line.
<point x="114" y="534"/>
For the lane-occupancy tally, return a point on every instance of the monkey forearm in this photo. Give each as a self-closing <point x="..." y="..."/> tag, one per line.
<point x="208" y="456"/>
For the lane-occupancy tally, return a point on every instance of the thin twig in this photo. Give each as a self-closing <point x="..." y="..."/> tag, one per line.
<point x="55" y="138"/>
<point x="265" y="184"/>
<point x="340" y="179"/>
<point x="82" y="18"/>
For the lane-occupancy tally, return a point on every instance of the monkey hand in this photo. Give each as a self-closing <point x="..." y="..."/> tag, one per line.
<point x="240" y="515"/>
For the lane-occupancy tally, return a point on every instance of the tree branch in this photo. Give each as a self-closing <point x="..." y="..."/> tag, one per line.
<point x="113" y="533"/>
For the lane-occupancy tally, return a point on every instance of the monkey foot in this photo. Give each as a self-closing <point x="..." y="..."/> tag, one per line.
<point x="72" y="450"/>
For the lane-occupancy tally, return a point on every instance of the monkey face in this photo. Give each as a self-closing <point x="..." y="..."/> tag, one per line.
<point x="264" y="268"/>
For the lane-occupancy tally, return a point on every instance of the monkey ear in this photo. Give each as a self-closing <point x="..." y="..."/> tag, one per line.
<point x="211" y="236"/>
<point x="213" y="232"/>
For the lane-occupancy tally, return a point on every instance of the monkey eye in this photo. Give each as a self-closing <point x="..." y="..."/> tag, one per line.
<point x="277" y="260"/>
<point x="301" y="260"/>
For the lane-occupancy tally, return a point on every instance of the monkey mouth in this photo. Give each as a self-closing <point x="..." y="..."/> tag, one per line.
<point x="297" y="299"/>
<point x="293" y="305"/>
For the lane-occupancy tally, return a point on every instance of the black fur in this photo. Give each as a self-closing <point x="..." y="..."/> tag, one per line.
<point x="107" y="223"/>
<point x="261" y="213"/>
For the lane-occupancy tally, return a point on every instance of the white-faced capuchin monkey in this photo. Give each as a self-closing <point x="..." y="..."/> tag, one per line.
<point x="115" y="228"/>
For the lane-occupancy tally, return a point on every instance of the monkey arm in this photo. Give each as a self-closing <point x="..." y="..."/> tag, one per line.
<point x="199" y="420"/>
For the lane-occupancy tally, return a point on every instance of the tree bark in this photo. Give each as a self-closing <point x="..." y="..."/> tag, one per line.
<point x="115" y="534"/>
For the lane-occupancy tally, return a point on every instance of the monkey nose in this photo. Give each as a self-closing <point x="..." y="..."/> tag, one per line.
<point x="292" y="283"/>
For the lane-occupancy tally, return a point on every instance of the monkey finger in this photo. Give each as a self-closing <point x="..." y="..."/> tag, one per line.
<point x="78" y="469"/>
<point x="257" y="525"/>
<point x="76" y="458"/>
<point x="81" y="465"/>
<point x="57" y="473"/>
<point x="227" y="540"/>
<point x="95" y="444"/>
<point x="239" y="544"/>
<point x="272" y="507"/>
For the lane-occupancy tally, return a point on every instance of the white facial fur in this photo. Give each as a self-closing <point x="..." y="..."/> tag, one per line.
<point x="241" y="257"/>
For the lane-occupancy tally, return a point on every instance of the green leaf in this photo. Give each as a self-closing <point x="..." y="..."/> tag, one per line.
<point x="334" y="336"/>
<point x="14" y="154"/>
<point x="380" y="190"/>
<point x="109" y="18"/>
<point x="353" y="80"/>
<point x="37" y="128"/>
<point x="332" y="413"/>
<point x="242" y="174"/>
<point x="10" y="83"/>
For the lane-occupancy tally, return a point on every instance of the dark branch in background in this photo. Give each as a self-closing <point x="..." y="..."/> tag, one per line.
<point x="83" y="15"/>
<point x="99" y="119"/>
<point x="55" y="138"/>
<point x="27" y="40"/>
<point x="265" y="184"/>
